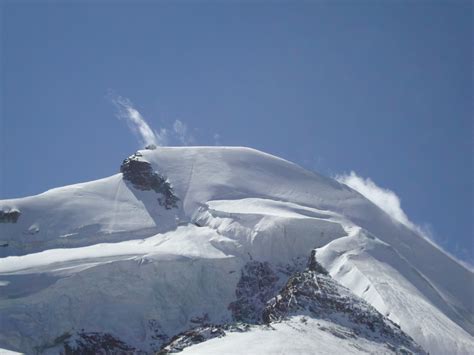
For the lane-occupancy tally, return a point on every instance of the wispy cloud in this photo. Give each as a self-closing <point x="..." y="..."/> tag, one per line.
<point x="181" y="133"/>
<point x="161" y="136"/>
<point x="137" y="123"/>
<point x="384" y="198"/>
<point x="388" y="201"/>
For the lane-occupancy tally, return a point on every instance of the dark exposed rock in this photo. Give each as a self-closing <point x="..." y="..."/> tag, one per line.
<point x="314" y="292"/>
<point x="313" y="264"/>
<point x="191" y="337"/>
<point x="141" y="175"/>
<point x="204" y="319"/>
<point x="85" y="343"/>
<point x="157" y="336"/>
<point x="88" y="343"/>
<point x="256" y="286"/>
<point x="10" y="216"/>
<point x="198" y="335"/>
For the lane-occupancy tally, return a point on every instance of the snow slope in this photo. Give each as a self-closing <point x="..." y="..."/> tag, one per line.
<point x="107" y="257"/>
<point x="298" y="335"/>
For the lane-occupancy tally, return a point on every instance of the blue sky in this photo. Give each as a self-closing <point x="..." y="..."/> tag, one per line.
<point x="383" y="88"/>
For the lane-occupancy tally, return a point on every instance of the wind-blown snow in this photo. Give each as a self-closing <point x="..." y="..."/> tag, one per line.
<point x="137" y="123"/>
<point x="107" y="257"/>
<point x="383" y="198"/>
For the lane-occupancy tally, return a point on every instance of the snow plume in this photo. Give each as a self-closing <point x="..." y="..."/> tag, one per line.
<point x="388" y="201"/>
<point x="181" y="132"/>
<point x="178" y="133"/>
<point x="137" y="123"/>
<point x="384" y="198"/>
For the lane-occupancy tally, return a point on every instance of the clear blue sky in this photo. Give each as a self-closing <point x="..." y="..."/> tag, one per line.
<point x="383" y="88"/>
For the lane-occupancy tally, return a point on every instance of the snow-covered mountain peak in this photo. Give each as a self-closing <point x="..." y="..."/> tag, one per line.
<point x="179" y="235"/>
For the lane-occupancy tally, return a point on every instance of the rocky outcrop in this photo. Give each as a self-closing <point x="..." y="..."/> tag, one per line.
<point x="87" y="343"/>
<point x="314" y="265"/>
<point x="9" y="216"/>
<point x="257" y="284"/>
<point x="97" y="343"/>
<point x="314" y="292"/>
<point x="198" y="335"/>
<point x="192" y="337"/>
<point x="142" y="177"/>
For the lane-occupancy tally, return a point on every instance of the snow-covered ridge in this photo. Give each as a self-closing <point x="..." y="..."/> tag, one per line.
<point x="106" y="256"/>
<point x="308" y="294"/>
